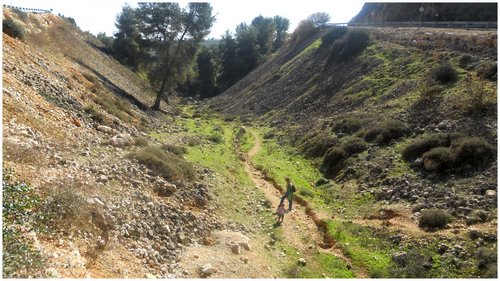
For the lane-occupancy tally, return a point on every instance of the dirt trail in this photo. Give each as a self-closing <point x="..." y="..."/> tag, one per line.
<point x="298" y="227"/>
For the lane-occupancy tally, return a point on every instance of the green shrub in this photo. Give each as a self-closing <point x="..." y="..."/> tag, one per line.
<point x="13" y="28"/>
<point x="20" y="258"/>
<point x="429" y="93"/>
<point x="465" y="61"/>
<point x="165" y="164"/>
<point x="353" y="145"/>
<point x="216" y="138"/>
<point x="386" y="131"/>
<point x="355" y="43"/>
<point x="472" y="151"/>
<point x="477" y="97"/>
<point x="488" y="71"/>
<point x="336" y="33"/>
<point x="317" y="144"/>
<point x="269" y="135"/>
<point x="443" y="157"/>
<point x="444" y="74"/>
<point x="348" y="126"/>
<point x="349" y="46"/>
<point x="333" y="161"/>
<point x="419" y="147"/>
<point x="434" y="218"/>
<point x="487" y="262"/>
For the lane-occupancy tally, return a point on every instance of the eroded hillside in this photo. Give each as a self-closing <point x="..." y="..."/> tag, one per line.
<point x="410" y="122"/>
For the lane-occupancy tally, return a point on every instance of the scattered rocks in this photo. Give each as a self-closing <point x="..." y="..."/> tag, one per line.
<point x="206" y="270"/>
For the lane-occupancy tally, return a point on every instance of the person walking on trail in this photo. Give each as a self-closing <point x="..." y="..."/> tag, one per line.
<point x="290" y="189"/>
<point x="281" y="213"/>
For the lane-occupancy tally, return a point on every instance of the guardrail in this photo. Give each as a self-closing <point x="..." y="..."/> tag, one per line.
<point x="29" y="10"/>
<point x="434" y="24"/>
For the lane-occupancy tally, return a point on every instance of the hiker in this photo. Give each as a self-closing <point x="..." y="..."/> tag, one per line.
<point x="290" y="189"/>
<point x="281" y="213"/>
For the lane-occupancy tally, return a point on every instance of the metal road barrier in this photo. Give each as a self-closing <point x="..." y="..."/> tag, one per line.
<point x="428" y="24"/>
<point x="29" y="10"/>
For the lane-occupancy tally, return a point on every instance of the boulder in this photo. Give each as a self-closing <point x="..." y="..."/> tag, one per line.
<point x="105" y="129"/>
<point x="302" y="262"/>
<point x="490" y="193"/>
<point x="206" y="270"/>
<point x="245" y="245"/>
<point x="235" y="248"/>
<point x="122" y="140"/>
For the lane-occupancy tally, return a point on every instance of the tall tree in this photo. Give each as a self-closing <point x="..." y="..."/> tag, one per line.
<point x="319" y="19"/>
<point x="247" y="50"/>
<point x="265" y="29"/>
<point x="282" y="25"/>
<point x="229" y="61"/>
<point x="126" y="46"/>
<point x="175" y="34"/>
<point x="207" y="72"/>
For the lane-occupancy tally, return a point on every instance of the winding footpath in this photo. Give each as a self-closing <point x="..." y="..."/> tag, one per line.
<point x="299" y="228"/>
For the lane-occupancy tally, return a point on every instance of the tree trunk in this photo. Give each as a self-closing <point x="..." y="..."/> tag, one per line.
<point x="159" y="95"/>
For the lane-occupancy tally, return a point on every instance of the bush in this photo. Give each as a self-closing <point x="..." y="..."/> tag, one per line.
<point x="317" y="144"/>
<point x="353" y="145"/>
<point x="333" y="161"/>
<point x="165" y="164"/>
<point x="20" y="257"/>
<point x="348" y="126"/>
<point x="386" y="131"/>
<point x="465" y="61"/>
<point x="336" y="33"/>
<point x="477" y="97"/>
<point x="434" y="218"/>
<point x="442" y="158"/>
<point x="444" y="74"/>
<point x="487" y="262"/>
<point x="429" y="93"/>
<point x="472" y="151"/>
<point x="419" y="147"/>
<point x="97" y="116"/>
<point x="191" y="141"/>
<point x="64" y="207"/>
<point x="355" y="43"/>
<point x="304" y="30"/>
<point x="216" y="138"/>
<point x="13" y="28"/>
<point x="488" y="71"/>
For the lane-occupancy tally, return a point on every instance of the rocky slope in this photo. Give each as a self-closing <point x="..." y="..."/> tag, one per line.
<point x="71" y="116"/>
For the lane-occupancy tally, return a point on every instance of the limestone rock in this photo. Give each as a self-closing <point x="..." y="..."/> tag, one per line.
<point x="206" y="270"/>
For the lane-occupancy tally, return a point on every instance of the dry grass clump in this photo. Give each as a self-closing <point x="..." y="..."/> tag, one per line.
<point x="434" y="218"/>
<point x="164" y="163"/>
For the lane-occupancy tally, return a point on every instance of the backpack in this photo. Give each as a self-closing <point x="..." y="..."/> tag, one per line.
<point x="294" y="188"/>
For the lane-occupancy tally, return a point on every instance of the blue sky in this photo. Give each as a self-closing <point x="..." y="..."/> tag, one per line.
<point x="99" y="15"/>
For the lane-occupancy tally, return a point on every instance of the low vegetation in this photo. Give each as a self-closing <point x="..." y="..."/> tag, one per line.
<point x="434" y="218"/>
<point x="386" y="131"/>
<point x="455" y="151"/>
<point x="164" y="163"/>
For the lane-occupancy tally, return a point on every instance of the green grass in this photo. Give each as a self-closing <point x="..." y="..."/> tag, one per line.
<point x="284" y="161"/>
<point x="362" y="247"/>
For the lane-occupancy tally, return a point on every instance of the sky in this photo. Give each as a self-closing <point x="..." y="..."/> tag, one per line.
<point x="100" y="15"/>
